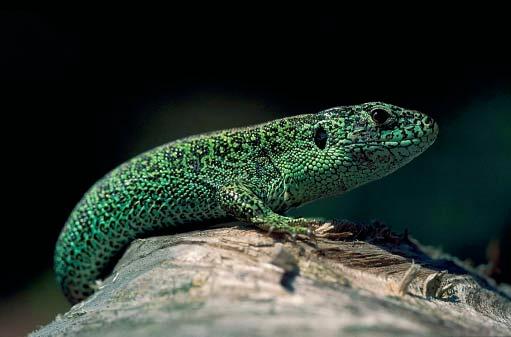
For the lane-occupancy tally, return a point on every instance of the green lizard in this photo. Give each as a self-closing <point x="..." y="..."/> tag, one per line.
<point x="251" y="174"/>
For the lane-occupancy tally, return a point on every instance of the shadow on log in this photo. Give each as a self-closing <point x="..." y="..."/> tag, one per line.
<point x="238" y="281"/>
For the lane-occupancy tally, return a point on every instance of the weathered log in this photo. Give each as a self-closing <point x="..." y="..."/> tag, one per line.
<point x="238" y="281"/>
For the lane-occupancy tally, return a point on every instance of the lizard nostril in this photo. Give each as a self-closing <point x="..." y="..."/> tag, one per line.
<point x="428" y="120"/>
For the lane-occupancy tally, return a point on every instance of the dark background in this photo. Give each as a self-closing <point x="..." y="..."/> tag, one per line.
<point x="82" y="92"/>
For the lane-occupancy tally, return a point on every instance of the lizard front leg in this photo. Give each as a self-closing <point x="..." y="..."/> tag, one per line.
<point x="243" y="204"/>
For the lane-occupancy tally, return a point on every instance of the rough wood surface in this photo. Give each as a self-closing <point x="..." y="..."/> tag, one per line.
<point x="238" y="281"/>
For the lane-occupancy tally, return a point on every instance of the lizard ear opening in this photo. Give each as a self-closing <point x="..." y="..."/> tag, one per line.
<point x="320" y="137"/>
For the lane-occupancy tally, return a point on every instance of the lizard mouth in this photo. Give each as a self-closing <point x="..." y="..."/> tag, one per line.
<point x="426" y="140"/>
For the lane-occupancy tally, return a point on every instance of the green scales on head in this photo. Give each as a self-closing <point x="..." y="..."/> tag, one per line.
<point x="251" y="174"/>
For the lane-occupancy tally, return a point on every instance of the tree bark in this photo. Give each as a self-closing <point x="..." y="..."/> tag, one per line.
<point x="238" y="281"/>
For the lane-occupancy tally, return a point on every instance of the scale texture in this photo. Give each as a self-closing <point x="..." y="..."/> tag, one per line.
<point x="251" y="174"/>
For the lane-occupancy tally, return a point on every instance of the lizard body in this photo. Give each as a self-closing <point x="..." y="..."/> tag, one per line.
<point x="251" y="174"/>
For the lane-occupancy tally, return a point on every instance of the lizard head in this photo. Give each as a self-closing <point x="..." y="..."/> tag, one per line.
<point x="338" y="149"/>
<point x="371" y="140"/>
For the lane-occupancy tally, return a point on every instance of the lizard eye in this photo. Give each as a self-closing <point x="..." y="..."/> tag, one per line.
<point x="320" y="137"/>
<point x="379" y="116"/>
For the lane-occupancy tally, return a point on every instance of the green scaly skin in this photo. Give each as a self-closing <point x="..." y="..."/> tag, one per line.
<point x="251" y="174"/>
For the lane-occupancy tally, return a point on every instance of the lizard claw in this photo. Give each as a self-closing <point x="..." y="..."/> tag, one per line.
<point x="323" y="230"/>
<point x="270" y="230"/>
<point x="327" y="230"/>
<point x="293" y="237"/>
